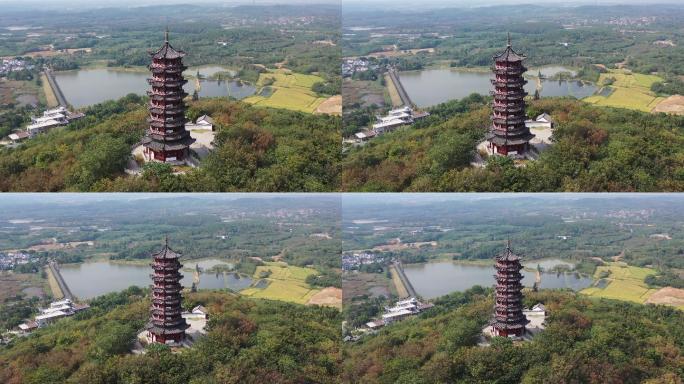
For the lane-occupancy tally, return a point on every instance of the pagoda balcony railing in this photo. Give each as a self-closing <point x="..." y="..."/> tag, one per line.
<point x="507" y="120"/>
<point x="500" y="107"/>
<point x="500" y="266"/>
<point x="508" y="95"/>
<point x="171" y="110"/>
<point x="166" y="290"/>
<point x="157" y="267"/>
<point x="166" y="83"/>
<point x="177" y="96"/>
<point x="165" y="301"/>
<point x="159" y="298"/>
<point x="509" y="68"/>
<point x="166" y="123"/>
<point x="155" y="67"/>
<point x="508" y="83"/>
<point x="176" y="275"/>
<point x="167" y="312"/>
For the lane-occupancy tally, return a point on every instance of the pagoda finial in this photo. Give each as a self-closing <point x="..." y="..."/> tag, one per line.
<point x="509" y="39"/>
<point x="508" y="244"/>
<point x="166" y="241"/>
<point x="166" y="35"/>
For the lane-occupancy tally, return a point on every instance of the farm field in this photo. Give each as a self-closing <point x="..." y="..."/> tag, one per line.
<point x="13" y="284"/>
<point x="630" y="90"/>
<point x="624" y="283"/>
<point x="290" y="91"/>
<point x="286" y="283"/>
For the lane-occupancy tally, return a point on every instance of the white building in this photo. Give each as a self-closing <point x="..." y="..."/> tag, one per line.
<point x="396" y="118"/>
<point x="51" y="118"/>
<point x="542" y="121"/>
<point x="203" y="123"/>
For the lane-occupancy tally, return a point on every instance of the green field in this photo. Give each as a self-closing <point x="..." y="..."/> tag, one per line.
<point x="629" y="90"/>
<point x="286" y="283"/>
<point x="624" y="283"/>
<point x="290" y="91"/>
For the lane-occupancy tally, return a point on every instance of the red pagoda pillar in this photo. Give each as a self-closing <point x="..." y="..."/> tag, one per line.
<point x="167" y="140"/>
<point x="509" y="319"/>
<point x="508" y="133"/>
<point x="166" y="323"/>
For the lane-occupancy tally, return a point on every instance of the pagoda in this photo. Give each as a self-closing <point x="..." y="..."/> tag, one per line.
<point x="508" y="133"/>
<point x="509" y="319"/>
<point x="166" y="140"/>
<point x="166" y="323"/>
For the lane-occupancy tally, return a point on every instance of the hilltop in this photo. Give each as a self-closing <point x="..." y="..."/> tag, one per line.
<point x="260" y="149"/>
<point x="586" y="340"/>
<point x="249" y="341"/>
<point x="593" y="149"/>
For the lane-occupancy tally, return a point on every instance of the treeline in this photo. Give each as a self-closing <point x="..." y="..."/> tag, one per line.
<point x="256" y="149"/>
<point x="594" y="149"/>
<point x="585" y="341"/>
<point x="247" y="341"/>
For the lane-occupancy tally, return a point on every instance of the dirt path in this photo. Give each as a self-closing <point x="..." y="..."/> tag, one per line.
<point x="331" y="106"/>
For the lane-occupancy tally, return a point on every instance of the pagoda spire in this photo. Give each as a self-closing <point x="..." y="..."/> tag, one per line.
<point x="509" y="39"/>
<point x="166" y="35"/>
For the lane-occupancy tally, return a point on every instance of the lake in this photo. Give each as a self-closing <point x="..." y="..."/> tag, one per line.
<point x="433" y="86"/>
<point x="85" y="87"/>
<point x="431" y="280"/>
<point x="93" y="279"/>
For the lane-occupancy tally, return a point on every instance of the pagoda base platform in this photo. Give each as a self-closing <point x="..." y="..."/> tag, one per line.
<point x="536" y="325"/>
<point x="196" y="331"/>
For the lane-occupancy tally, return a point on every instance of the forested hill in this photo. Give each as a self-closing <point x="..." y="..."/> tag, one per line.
<point x="249" y="341"/>
<point x="586" y="341"/>
<point x="595" y="149"/>
<point x="257" y="149"/>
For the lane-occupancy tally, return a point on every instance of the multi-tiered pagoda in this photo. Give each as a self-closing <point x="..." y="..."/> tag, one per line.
<point x="166" y="323"/>
<point x="508" y="133"/>
<point x="167" y="140"/>
<point x="509" y="319"/>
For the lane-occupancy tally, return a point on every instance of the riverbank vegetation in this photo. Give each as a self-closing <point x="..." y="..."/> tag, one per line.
<point x="247" y="340"/>
<point x="594" y="149"/>
<point x="586" y="340"/>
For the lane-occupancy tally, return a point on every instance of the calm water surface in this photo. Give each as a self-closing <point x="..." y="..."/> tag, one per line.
<point x="436" y="279"/>
<point x="89" y="280"/>
<point x="433" y="86"/>
<point x="85" y="87"/>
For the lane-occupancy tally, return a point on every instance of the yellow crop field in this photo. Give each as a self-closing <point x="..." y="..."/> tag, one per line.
<point x="630" y="90"/>
<point x="290" y="91"/>
<point x="624" y="283"/>
<point x="286" y="283"/>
